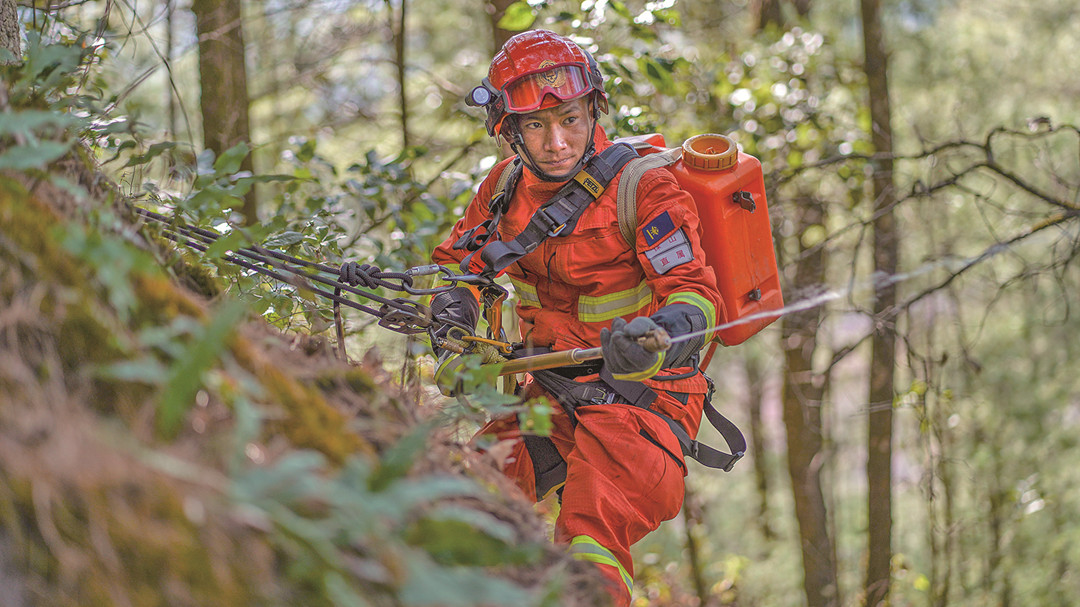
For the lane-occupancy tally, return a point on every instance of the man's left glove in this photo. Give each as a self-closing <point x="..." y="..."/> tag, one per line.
<point x="624" y="356"/>
<point x="459" y="306"/>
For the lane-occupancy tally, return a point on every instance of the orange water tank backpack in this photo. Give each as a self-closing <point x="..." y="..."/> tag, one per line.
<point x="729" y="190"/>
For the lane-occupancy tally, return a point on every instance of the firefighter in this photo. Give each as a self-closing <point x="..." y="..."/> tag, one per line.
<point x="612" y="456"/>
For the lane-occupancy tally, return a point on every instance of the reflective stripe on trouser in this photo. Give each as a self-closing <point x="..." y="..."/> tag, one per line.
<point x="585" y="548"/>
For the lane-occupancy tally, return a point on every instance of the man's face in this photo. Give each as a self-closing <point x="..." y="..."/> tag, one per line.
<point x="557" y="137"/>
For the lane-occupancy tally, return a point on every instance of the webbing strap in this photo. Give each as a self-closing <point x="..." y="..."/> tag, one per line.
<point x="572" y="394"/>
<point x="560" y="214"/>
<point x="640" y="395"/>
<point x="627" y="192"/>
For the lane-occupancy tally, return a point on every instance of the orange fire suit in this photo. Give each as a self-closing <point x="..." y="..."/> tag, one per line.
<point x="624" y="467"/>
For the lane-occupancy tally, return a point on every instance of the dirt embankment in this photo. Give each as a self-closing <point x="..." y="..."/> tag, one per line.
<point x="253" y="496"/>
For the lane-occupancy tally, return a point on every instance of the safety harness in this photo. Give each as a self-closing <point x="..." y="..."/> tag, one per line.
<point x="558" y="217"/>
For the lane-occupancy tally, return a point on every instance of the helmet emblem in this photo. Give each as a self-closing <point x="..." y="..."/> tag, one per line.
<point x="552" y="78"/>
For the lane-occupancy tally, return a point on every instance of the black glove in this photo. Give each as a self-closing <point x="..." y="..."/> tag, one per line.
<point x="359" y="275"/>
<point x="460" y="306"/>
<point x="679" y="319"/>
<point x="624" y="356"/>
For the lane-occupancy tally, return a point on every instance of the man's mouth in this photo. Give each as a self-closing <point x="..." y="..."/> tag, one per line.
<point x="565" y="163"/>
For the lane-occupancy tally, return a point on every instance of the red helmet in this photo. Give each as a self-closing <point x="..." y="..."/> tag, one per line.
<point x="535" y="70"/>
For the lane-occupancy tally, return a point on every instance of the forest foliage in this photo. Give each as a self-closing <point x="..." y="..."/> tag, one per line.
<point x="988" y="194"/>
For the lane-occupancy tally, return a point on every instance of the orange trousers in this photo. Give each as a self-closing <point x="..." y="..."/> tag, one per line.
<point x="625" y="475"/>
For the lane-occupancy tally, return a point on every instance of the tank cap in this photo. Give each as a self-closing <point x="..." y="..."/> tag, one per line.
<point x="710" y="152"/>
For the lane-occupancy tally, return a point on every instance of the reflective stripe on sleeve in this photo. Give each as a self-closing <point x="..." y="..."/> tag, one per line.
<point x="526" y="293"/>
<point x="585" y="548"/>
<point x="607" y="307"/>
<point x="694" y="299"/>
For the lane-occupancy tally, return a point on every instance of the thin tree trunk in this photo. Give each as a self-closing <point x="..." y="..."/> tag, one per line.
<point x="755" y="396"/>
<point x="396" y="27"/>
<point x="9" y="29"/>
<point x="223" y="76"/>
<point x="495" y="10"/>
<point x="942" y="580"/>
<point x="997" y="577"/>
<point x="170" y="13"/>
<point x="802" y="395"/>
<point x="766" y="13"/>
<point x="694" y="520"/>
<point x="883" y="358"/>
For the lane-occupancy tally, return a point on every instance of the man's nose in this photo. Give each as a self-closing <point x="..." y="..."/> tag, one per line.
<point x="556" y="139"/>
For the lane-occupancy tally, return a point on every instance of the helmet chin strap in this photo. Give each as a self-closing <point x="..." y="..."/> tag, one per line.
<point x="517" y="143"/>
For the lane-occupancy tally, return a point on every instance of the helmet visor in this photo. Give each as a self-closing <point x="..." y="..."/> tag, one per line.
<point x="564" y="82"/>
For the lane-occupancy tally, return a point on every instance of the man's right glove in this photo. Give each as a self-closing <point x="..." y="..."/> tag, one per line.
<point x="457" y="305"/>
<point x="624" y="356"/>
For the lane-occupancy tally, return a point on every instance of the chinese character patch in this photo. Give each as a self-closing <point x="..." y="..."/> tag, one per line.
<point x="658" y="229"/>
<point x="673" y="251"/>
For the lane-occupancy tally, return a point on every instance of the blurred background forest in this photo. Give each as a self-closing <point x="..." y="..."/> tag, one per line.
<point x="913" y="415"/>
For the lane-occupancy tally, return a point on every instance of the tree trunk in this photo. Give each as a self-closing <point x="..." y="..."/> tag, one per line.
<point x="170" y="45"/>
<point x="883" y="358"/>
<point x="694" y="519"/>
<point x="495" y="10"/>
<point x="802" y="394"/>
<point x="766" y="13"/>
<point x="9" y="29"/>
<point x="396" y="22"/>
<point x="755" y="396"/>
<point x="223" y="75"/>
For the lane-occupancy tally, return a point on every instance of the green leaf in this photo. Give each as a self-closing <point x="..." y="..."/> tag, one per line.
<point x="518" y="17"/>
<point x="463" y="536"/>
<point x="144" y="370"/>
<point x="28" y="121"/>
<point x="229" y="242"/>
<point x="285" y="239"/>
<point x="186" y="375"/>
<point x="33" y="156"/>
<point x="229" y="161"/>
<point x="399" y="459"/>
<point x="155" y="150"/>
<point x="432" y="585"/>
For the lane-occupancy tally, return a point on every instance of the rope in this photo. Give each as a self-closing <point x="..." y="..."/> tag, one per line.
<point x="397" y="314"/>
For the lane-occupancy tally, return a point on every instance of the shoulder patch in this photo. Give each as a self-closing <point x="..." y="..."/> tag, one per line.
<point x="658" y="229"/>
<point x="673" y="251"/>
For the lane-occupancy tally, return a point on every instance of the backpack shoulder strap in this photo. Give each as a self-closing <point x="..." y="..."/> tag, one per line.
<point x="627" y="192"/>
<point x="559" y="215"/>
<point x="504" y="176"/>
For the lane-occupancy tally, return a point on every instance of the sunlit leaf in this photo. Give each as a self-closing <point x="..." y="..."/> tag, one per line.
<point x="519" y="16"/>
